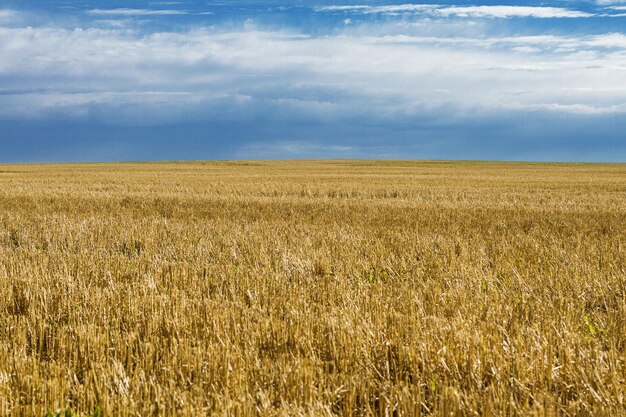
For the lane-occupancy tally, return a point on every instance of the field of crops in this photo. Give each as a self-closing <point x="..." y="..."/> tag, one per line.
<point x="313" y="288"/>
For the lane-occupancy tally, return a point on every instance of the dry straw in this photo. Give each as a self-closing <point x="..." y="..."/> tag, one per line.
<point x="313" y="288"/>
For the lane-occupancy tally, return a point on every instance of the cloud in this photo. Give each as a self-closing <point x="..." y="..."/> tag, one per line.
<point x="133" y="12"/>
<point x="612" y="40"/>
<point x="269" y="74"/>
<point x="401" y="8"/>
<point x="620" y="8"/>
<point x="7" y="15"/>
<point x="511" y="11"/>
<point x="538" y="43"/>
<point x="462" y="11"/>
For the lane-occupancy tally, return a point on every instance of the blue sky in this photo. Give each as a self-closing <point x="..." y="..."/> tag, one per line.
<point x="162" y="80"/>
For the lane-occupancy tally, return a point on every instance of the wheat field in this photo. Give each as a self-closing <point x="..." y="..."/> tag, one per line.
<point x="313" y="288"/>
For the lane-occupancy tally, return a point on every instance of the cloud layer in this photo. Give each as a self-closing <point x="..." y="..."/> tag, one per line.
<point x="134" y="12"/>
<point x="463" y="11"/>
<point x="74" y="71"/>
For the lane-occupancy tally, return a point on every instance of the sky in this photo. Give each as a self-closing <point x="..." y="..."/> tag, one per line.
<point x="174" y="80"/>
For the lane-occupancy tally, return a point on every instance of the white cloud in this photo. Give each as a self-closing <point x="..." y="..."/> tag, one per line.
<point x="6" y="15"/>
<point x="204" y="72"/>
<point x="133" y="12"/>
<point x="612" y="40"/>
<point x="511" y="11"/>
<point x="400" y="8"/>
<point x="462" y="11"/>
<point x="573" y="108"/>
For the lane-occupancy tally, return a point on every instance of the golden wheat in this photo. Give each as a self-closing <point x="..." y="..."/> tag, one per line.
<point x="313" y="288"/>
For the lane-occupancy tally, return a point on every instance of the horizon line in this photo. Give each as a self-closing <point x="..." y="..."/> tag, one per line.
<point x="285" y="160"/>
